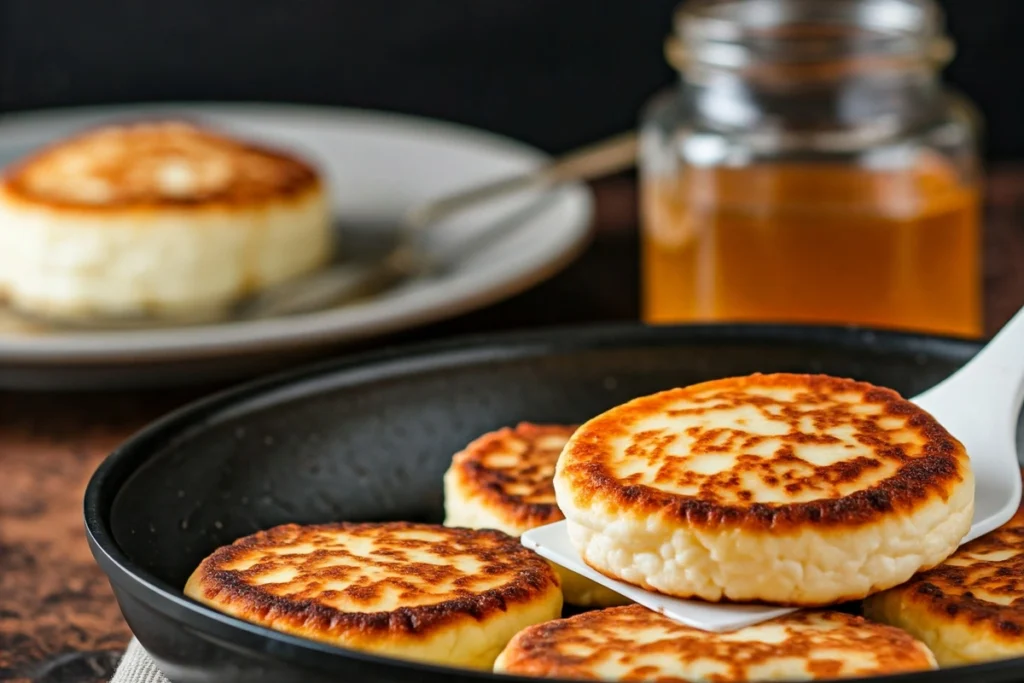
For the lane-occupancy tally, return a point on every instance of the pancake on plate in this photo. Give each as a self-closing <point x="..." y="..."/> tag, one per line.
<point x="636" y="644"/>
<point x="161" y="219"/>
<point x="413" y="591"/>
<point x="502" y="480"/>
<point x="971" y="607"/>
<point x="802" y="490"/>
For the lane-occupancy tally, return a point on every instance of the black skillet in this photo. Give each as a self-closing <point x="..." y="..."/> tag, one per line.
<point x="369" y="438"/>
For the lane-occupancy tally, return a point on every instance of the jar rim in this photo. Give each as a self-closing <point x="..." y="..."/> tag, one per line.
<point x="738" y="33"/>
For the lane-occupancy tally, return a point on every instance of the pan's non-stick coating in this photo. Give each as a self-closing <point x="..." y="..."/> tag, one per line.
<point x="369" y="440"/>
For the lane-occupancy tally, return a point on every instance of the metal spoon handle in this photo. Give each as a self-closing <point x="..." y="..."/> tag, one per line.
<point x="602" y="158"/>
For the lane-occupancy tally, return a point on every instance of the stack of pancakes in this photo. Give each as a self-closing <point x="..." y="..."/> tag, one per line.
<point x="795" y="490"/>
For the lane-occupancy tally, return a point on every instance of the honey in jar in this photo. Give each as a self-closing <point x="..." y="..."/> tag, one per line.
<point x="813" y="176"/>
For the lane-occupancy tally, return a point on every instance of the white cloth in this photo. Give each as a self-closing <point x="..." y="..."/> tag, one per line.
<point x="137" y="667"/>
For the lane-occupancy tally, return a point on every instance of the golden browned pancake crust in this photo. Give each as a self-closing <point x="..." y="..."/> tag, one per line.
<point x="381" y="580"/>
<point x="511" y="469"/>
<point x="156" y="165"/>
<point x="937" y="463"/>
<point x="503" y="480"/>
<point x="970" y="608"/>
<point x="636" y="644"/>
<point x="982" y="584"/>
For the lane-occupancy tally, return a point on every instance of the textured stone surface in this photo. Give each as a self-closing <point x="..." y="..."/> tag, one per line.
<point x="58" y="619"/>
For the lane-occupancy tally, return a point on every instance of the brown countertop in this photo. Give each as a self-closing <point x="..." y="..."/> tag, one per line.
<point x="58" y="619"/>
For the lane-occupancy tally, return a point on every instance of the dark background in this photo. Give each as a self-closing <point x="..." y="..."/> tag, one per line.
<point x="555" y="73"/>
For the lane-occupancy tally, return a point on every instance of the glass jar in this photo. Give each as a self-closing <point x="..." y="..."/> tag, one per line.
<point x="811" y="168"/>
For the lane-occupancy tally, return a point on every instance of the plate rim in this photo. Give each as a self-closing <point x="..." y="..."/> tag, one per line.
<point x="134" y="453"/>
<point x="306" y="331"/>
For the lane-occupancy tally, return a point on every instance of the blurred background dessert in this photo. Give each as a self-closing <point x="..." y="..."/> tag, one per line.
<point x="837" y="182"/>
<point x="163" y="220"/>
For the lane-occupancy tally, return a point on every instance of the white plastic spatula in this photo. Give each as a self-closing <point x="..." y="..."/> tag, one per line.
<point x="979" y="405"/>
<point x="552" y="542"/>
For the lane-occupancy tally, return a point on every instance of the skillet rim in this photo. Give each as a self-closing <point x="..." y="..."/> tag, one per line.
<point x="193" y="418"/>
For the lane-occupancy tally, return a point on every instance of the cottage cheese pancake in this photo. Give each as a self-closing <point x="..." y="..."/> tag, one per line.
<point x="788" y="489"/>
<point x="412" y="591"/>
<point x="164" y="219"/>
<point x="503" y="481"/>
<point x="971" y="607"/>
<point x="635" y="644"/>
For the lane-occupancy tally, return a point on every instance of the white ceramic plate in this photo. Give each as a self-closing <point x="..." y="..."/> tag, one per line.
<point x="377" y="165"/>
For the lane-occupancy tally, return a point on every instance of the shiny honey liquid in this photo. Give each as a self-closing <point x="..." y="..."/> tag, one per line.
<point x="814" y="243"/>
